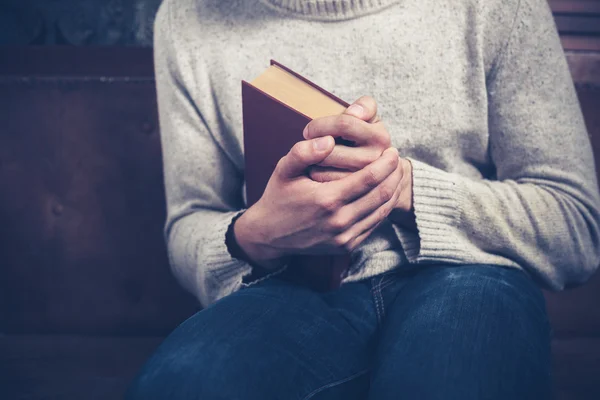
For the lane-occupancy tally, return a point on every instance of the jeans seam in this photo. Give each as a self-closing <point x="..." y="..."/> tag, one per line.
<point x="376" y="301"/>
<point x="335" y="383"/>
<point x="376" y="297"/>
<point x="381" y="302"/>
<point x="387" y="281"/>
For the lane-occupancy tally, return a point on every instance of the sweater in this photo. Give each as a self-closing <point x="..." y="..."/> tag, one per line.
<point x="476" y="94"/>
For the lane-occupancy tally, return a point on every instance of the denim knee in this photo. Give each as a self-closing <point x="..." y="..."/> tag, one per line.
<point x="188" y="373"/>
<point x="471" y="329"/>
<point x="478" y="288"/>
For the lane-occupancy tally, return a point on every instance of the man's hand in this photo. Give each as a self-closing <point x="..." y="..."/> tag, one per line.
<point x="361" y="125"/>
<point x="297" y="215"/>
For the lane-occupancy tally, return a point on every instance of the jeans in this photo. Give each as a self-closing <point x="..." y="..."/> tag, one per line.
<point x="438" y="332"/>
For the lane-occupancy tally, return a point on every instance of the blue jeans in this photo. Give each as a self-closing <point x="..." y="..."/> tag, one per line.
<point x="439" y="332"/>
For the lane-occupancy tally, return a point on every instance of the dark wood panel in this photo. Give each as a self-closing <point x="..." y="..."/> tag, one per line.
<point x="580" y="43"/>
<point x="581" y="25"/>
<point x="81" y="61"/>
<point x="575" y="6"/>
<point x="573" y="312"/>
<point x="585" y="68"/>
<point x="579" y="20"/>
<point x="77" y="22"/>
<point x="81" y="228"/>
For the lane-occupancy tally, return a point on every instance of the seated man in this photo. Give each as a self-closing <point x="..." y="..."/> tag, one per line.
<point x="471" y="185"/>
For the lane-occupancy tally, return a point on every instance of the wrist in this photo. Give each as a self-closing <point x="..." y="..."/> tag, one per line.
<point x="247" y="234"/>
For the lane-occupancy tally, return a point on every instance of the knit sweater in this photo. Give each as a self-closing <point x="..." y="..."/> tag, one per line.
<point x="476" y="94"/>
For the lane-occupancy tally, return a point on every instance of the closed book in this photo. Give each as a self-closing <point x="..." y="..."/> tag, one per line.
<point x="277" y="106"/>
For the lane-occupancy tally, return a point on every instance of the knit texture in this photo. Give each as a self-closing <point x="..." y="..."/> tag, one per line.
<point x="476" y="94"/>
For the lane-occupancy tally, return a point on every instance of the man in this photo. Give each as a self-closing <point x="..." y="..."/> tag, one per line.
<point x="471" y="185"/>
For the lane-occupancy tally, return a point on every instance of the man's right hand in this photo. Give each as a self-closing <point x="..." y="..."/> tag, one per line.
<point x="297" y="215"/>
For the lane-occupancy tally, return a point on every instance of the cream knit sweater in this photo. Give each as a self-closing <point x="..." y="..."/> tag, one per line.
<point x="477" y="94"/>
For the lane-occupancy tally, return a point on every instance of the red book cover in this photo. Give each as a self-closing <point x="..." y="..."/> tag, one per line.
<point x="271" y="128"/>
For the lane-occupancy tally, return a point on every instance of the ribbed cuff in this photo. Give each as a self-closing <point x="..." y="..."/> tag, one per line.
<point x="437" y="205"/>
<point x="222" y="265"/>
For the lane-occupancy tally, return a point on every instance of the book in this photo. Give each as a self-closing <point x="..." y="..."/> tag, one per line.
<point x="276" y="106"/>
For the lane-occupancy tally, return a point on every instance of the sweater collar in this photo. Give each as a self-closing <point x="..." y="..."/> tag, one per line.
<point x="329" y="10"/>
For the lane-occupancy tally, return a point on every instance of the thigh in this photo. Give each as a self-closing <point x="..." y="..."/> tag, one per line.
<point x="464" y="332"/>
<point x="274" y="340"/>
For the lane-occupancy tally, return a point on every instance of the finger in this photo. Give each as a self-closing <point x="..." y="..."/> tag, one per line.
<point x="350" y="214"/>
<point x="354" y="243"/>
<point x="347" y="127"/>
<point x="326" y="174"/>
<point x="353" y="237"/>
<point x="351" y="158"/>
<point x="365" y="108"/>
<point x="363" y="181"/>
<point x="362" y="229"/>
<point x="304" y="154"/>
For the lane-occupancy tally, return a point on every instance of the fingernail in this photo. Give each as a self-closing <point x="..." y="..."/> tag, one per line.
<point x="305" y="132"/>
<point x="393" y="150"/>
<point x="321" y="143"/>
<point x="356" y="110"/>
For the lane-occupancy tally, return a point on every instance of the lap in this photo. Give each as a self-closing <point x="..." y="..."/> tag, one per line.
<point x="269" y="341"/>
<point x="469" y="332"/>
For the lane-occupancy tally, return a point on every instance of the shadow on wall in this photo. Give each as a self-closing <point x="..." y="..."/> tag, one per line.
<point x="77" y="22"/>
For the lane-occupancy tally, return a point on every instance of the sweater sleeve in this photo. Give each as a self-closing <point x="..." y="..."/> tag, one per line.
<point x="203" y="186"/>
<point x="541" y="210"/>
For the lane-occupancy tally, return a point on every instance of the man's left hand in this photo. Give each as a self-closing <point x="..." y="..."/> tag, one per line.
<point x="361" y="125"/>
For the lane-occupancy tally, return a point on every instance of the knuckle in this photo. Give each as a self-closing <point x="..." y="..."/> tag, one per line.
<point x="385" y="141"/>
<point x="383" y="213"/>
<point x="341" y="241"/>
<point x="339" y="223"/>
<point x="279" y="164"/>
<point x="393" y="162"/>
<point x="385" y="193"/>
<point x="298" y="151"/>
<point x="328" y="203"/>
<point x="345" y="123"/>
<point x="371" y="178"/>
<point x="381" y="136"/>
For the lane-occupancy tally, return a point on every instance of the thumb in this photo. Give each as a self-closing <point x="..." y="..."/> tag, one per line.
<point x="364" y="108"/>
<point x="304" y="154"/>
